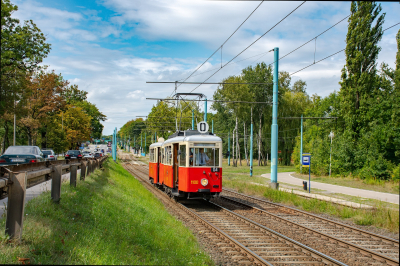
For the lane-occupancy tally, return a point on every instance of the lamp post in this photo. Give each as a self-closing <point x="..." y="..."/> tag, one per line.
<point x="331" y="135"/>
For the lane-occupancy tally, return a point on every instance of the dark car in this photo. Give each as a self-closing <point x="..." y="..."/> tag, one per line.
<point x="73" y="154"/>
<point x="97" y="155"/>
<point x="21" y="155"/>
<point x="49" y="155"/>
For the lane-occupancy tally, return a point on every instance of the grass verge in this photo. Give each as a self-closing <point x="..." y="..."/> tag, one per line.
<point x="108" y="219"/>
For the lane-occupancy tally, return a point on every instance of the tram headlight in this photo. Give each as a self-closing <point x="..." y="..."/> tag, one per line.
<point x="204" y="182"/>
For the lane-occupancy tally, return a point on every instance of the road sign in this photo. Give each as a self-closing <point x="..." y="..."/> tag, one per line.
<point x="202" y="127"/>
<point x="306" y="160"/>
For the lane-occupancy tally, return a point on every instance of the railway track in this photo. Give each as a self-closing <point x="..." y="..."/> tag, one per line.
<point x="246" y="241"/>
<point x="346" y="243"/>
<point x="368" y="245"/>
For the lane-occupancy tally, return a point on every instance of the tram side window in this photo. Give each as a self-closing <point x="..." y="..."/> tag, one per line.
<point x="207" y="157"/>
<point x="163" y="155"/>
<point x="191" y="156"/>
<point x="182" y="159"/>
<point x="152" y="155"/>
<point x="168" y="155"/>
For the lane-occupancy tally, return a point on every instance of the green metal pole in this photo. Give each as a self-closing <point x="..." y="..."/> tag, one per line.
<point x="301" y="144"/>
<point x="134" y="142"/>
<point x="145" y="143"/>
<point x="251" y="149"/>
<point x="192" y="119"/>
<point x="212" y="130"/>
<point x="141" y="142"/>
<point x="205" y="111"/>
<point x="229" y="150"/>
<point x="274" y="127"/>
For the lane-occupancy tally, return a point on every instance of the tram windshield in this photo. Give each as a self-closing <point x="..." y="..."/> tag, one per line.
<point x="206" y="157"/>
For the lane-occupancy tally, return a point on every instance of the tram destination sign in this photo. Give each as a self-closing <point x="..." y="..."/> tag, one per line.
<point x="202" y="127"/>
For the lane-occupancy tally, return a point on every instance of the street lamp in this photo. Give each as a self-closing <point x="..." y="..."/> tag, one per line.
<point x="331" y="135"/>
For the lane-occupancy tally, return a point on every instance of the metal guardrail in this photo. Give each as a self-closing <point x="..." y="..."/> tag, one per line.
<point x="15" y="179"/>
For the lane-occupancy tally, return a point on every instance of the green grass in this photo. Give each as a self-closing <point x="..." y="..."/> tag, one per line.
<point x="108" y="219"/>
<point x="368" y="184"/>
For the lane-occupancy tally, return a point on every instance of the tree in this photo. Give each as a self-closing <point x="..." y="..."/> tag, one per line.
<point x="358" y="84"/>
<point x="23" y="47"/>
<point x="76" y="126"/>
<point x="44" y="100"/>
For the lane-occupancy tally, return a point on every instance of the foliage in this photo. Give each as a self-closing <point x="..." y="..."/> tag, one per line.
<point x="23" y="47"/>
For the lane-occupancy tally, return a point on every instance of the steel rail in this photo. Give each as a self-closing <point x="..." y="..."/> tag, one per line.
<point x="315" y="254"/>
<point x="346" y="244"/>
<point x="254" y="257"/>
<point x="318" y="255"/>
<point x="379" y="237"/>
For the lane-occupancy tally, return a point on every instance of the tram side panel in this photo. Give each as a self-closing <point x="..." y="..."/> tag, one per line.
<point x="153" y="171"/>
<point x="168" y="176"/>
<point x="190" y="179"/>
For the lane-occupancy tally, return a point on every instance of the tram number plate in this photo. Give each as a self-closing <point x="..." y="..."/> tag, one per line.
<point x="194" y="182"/>
<point x="214" y="169"/>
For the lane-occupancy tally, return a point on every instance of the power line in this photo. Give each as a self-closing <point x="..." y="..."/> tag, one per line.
<point x="225" y="41"/>
<point x="334" y="53"/>
<point x="251" y="44"/>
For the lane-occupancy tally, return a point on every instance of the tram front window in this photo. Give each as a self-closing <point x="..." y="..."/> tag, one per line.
<point x="207" y="157"/>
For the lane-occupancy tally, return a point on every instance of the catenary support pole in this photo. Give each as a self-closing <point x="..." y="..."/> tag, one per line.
<point x="229" y="149"/>
<point x="274" y="127"/>
<point x="192" y="119"/>
<point x="205" y="110"/>
<point x="141" y="142"/>
<point x="212" y="129"/>
<point x="145" y="142"/>
<point x="301" y="144"/>
<point x="251" y="149"/>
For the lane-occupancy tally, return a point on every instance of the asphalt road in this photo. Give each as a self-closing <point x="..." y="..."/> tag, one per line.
<point x="387" y="197"/>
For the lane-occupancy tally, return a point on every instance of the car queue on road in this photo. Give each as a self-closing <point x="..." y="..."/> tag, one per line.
<point x="33" y="154"/>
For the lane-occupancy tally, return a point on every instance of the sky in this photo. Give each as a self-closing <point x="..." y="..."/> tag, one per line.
<point x="110" y="48"/>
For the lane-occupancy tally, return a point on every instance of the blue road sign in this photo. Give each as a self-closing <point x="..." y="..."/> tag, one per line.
<point x="306" y="160"/>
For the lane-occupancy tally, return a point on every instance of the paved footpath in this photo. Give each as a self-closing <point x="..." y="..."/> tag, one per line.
<point x="35" y="191"/>
<point x="287" y="178"/>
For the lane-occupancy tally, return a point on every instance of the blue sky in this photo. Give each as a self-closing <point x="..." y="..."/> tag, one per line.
<point x="110" y="48"/>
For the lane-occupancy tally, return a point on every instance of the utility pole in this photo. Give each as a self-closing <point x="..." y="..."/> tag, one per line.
<point x="205" y="110"/>
<point x="301" y="145"/>
<point x="274" y="127"/>
<point x="192" y="119"/>
<point x="331" y="135"/>
<point x="229" y="149"/>
<point x="212" y="130"/>
<point x="251" y="144"/>
<point x="145" y="143"/>
<point x="141" y="142"/>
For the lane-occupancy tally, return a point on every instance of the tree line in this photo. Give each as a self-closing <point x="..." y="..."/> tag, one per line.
<point x="49" y="111"/>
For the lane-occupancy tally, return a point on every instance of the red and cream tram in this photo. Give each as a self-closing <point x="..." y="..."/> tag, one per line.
<point x="187" y="165"/>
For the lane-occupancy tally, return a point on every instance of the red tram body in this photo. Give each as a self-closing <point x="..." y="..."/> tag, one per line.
<point x="187" y="165"/>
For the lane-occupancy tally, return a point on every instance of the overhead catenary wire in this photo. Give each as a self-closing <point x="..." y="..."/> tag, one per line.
<point x="225" y="41"/>
<point x="252" y="43"/>
<point x="333" y="54"/>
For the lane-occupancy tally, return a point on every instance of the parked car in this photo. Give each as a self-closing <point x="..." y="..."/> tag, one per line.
<point x="49" y="155"/>
<point x="87" y="154"/>
<point x="97" y="155"/>
<point x="21" y="155"/>
<point x="73" y="154"/>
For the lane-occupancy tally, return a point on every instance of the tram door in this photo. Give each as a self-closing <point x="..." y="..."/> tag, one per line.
<point x="176" y="164"/>
<point x="158" y="152"/>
